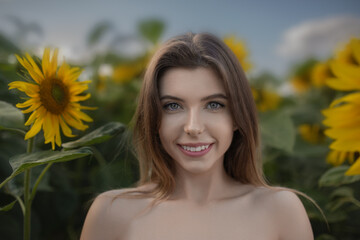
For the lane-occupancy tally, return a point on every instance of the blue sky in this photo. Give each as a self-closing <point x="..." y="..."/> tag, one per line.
<point x="298" y="28"/>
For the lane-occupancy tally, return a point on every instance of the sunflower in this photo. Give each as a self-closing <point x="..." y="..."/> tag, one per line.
<point x="53" y="96"/>
<point x="300" y="83"/>
<point x="336" y="158"/>
<point x="239" y="49"/>
<point x="311" y="133"/>
<point x="265" y="100"/>
<point x="343" y="115"/>
<point x="320" y="73"/>
<point x="127" y="71"/>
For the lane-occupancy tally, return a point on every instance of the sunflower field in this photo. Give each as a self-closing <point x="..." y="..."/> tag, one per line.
<point x="65" y="132"/>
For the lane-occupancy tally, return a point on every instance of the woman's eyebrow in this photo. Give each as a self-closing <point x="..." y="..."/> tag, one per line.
<point x="212" y="96"/>
<point x="170" y="97"/>
<point x="216" y="95"/>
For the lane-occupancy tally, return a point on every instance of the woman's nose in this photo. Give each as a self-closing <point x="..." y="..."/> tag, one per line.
<point x="194" y="124"/>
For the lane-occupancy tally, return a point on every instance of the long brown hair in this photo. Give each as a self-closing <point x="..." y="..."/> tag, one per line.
<point x="241" y="161"/>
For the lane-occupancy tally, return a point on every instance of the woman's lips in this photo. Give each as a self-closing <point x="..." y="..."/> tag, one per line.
<point x="195" y="150"/>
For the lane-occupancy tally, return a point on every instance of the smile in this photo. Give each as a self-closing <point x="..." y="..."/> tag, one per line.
<point x="195" y="150"/>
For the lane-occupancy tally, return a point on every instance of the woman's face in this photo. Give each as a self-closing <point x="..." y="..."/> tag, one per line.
<point x="196" y="126"/>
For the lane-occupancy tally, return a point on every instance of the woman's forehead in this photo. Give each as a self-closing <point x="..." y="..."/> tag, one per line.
<point x="195" y="81"/>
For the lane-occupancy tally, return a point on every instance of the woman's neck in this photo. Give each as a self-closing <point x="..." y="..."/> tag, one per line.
<point x="202" y="188"/>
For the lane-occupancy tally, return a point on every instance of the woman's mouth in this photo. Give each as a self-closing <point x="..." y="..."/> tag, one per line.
<point x="195" y="150"/>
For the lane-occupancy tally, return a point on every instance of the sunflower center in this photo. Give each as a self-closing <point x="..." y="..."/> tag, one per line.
<point x="54" y="95"/>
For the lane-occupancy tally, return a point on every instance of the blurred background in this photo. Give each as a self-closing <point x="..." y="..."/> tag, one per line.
<point x="285" y="47"/>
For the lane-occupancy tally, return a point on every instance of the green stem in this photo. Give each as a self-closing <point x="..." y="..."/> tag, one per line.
<point x="27" y="215"/>
<point x="21" y="204"/>
<point x="30" y="145"/>
<point x="356" y="202"/>
<point x="38" y="180"/>
<point x="27" y="200"/>
<point x="5" y="181"/>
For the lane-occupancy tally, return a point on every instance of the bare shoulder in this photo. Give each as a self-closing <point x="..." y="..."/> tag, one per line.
<point x="287" y="210"/>
<point x="111" y="213"/>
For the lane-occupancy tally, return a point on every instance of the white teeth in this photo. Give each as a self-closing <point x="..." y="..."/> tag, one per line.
<point x="195" y="149"/>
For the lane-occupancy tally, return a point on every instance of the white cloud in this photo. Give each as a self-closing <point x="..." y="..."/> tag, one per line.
<point x="317" y="38"/>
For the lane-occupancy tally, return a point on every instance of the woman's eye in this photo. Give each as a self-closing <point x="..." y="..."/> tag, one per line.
<point x="171" y="106"/>
<point x="215" y="105"/>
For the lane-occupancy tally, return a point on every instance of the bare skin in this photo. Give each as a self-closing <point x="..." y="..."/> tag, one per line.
<point x="245" y="213"/>
<point x="206" y="202"/>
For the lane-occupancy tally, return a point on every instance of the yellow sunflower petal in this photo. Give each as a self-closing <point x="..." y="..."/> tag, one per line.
<point x="46" y="62"/>
<point x="351" y="158"/>
<point x="56" y="127"/>
<point x="36" y="114"/>
<point x="80" y="115"/>
<point x="48" y="129"/>
<point x="35" y="76"/>
<point x="340" y="85"/>
<point x="77" y="89"/>
<point x="87" y="108"/>
<point x="352" y="97"/>
<point x="33" y="107"/>
<point x="345" y="145"/>
<point x="28" y="88"/>
<point x="34" y="129"/>
<point x="338" y="122"/>
<point x="53" y="63"/>
<point x="72" y="75"/>
<point x="80" y="98"/>
<point x="348" y="76"/>
<point x="26" y="103"/>
<point x="342" y="156"/>
<point x="65" y="129"/>
<point x="62" y="70"/>
<point x="355" y="45"/>
<point x="35" y="67"/>
<point x="344" y="133"/>
<point x="331" y="158"/>
<point x="354" y="169"/>
<point x="74" y="122"/>
<point x="340" y="111"/>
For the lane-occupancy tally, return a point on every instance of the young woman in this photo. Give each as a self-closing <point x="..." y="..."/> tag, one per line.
<point x="196" y="134"/>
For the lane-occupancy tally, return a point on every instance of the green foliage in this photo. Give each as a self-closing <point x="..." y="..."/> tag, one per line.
<point x="104" y="157"/>
<point x="277" y="130"/>
<point x="336" y="177"/>
<point x="151" y="29"/>
<point x="10" y="117"/>
<point x="22" y="162"/>
<point x="8" y="206"/>
<point x="99" y="135"/>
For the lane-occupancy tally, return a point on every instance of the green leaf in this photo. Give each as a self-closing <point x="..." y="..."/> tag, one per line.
<point x="15" y="186"/>
<point x="342" y="192"/>
<point x="99" y="135"/>
<point x="151" y="29"/>
<point x="336" y="177"/>
<point x="325" y="237"/>
<point x="22" y="162"/>
<point x="10" y="116"/>
<point x="8" y="207"/>
<point x="336" y="204"/>
<point x="277" y="130"/>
